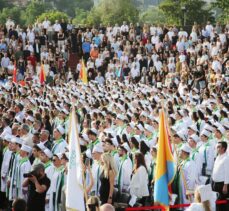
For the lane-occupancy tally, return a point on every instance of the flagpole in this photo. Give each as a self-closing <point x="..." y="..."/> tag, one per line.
<point x="83" y="175"/>
<point x="175" y="148"/>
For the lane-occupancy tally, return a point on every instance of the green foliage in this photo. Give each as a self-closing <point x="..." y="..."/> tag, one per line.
<point x="13" y="12"/>
<point x="195" y="11"/>
<point x="80" y="17"/>
<point x="32" y="11"/>
<point x="52" y="15"/>
<point x="223" y="5"/>
<point x="4" y="4"/>
<point x="68" y="6"/>
<point x="112" y="12"/>
<point x="152" y="15"/>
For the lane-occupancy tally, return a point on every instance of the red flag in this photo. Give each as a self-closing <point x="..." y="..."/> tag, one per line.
<point x="15" y="74"/>
<point x="42" y="75"/>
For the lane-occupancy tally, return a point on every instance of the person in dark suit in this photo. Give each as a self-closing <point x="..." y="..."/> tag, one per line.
<point x="37" y="49"/>
<point x="44" y="138"/>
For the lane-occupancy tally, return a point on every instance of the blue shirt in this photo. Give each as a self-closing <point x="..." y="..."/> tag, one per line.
<point x="86" y="46"/>
<point x="97" y="40"/>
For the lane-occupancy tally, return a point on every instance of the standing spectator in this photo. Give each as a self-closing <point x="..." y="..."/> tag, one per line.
<point x="38" y="186"/>
<point x="220" y="175"/>
<point x="107" y="178"/>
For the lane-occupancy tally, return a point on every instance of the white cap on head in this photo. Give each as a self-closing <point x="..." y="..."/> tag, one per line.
<point x="148" y="128"/>
<point x="26" y="148"/>
<point x="59" y="155"/>
<point x="60" y="129"/>
<point x="193" y="127"/>
<point x="48" y="153"/>
<point x="41" y="146"/>
<point x="186" y="148"/>
<point x="195" y="138"/>
<point x="205" y="133"/>
<point x="126" y="147"/>
<point x="30" y="118"/>
<point x="98" y="148"/>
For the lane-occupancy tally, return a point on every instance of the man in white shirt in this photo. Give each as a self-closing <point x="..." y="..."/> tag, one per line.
<point x="220" y="175"/>
<point x="46" y="23"/>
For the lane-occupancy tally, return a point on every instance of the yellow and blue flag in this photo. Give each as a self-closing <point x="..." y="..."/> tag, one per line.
<point x="165" y="165"/>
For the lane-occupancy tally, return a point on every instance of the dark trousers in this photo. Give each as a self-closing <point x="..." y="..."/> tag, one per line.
<point x="218" y="187"/>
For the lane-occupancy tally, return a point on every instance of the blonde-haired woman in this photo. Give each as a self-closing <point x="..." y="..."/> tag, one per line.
<point x="200" y="203"/>
<point x="107" y="178"/>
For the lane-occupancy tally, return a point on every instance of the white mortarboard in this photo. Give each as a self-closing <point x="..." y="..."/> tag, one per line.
<point x="221" y="129"/>
<point x="94" y="131"/>
<point x="30" y="118"/>
<point x="140" y="127"/>
<point x="26" y="148"/>
<point x="126" y="147"/>
<point x="60" y="129"/>
<point x="137" y="137"/>
<point x="205" y="133"/>
<point x="121" y="117"/>
<point x="59" y="155"/>
<point x="85" y="137"/>
<point x="7" y="137"/>
<point x="193" y="127"/>
<point x="98" y="148"/>
<point x="195" y="138"/>
<point x="18" y="140"/>
<point x="149" y="128"/>
<point x="186" y="148"/>
<point x="48" y="153"/>
<point x="41" y="146"/>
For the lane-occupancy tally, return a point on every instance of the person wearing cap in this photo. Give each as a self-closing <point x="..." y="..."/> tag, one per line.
<point x="178" y="142"/>
<point x="206" y="151"/>
<point x="23" y="167"/>
<point x="6" y="127"/>
<point x="195" y="156"/>
<point x="187" y="175"/>
<point x="6" y="156"/>
<point x="220" y="175"/>
<point x="96" y="168"/>
<point x="46" y="159"/>
<point x="16" y="144"/>
<point x="19" y="112"/>
<point x="155" y="131"/>
<point x="120" y="125"/>
<point x="59" y="143"/>
<point x="125" y="168"/>
<point x="148" y="132"/>
<point x="55" y="182"/>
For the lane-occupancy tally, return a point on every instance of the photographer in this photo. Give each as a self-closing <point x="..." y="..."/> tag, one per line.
<point x="38" y="184"/>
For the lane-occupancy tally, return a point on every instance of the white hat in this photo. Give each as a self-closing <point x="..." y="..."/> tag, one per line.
<point x="30" y="118"/>
<point x="26" y="148"/>
<point x="186" y="148"/>
<point x="181" y="135"/>
<point x="193" y="127"/>
<point x="60" y="129"/>
<point x="205" y="133"/>
<point x="121" y="117"/>
<point x="137" y="137"/>
<point x="221" y="129"/>
<point x="97" y="148"/>
<point x="17" y="140"/>
<point x="85" y="137"/>
<point x="41" y="146"/>
<point x="93" y="130"/>
<point x="7" y="137"/>
<point x="148" y="128"/>
<point x="59" y="155"/>
<point x="195" y="138"/>
<point x="140" y="127"/>
<point x="48" y="153"/>
<point x="126" y="147"/>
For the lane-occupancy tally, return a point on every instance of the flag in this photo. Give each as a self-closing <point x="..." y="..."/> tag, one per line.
<point x="83" y="72"/>
<point x="42" y="75"/>
<point x="15" y="74"/>
<point x="165" y="165"/>
<point x="74" y="187"/>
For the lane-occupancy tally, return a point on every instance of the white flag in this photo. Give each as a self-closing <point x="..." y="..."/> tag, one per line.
<point x="74" y="190"/>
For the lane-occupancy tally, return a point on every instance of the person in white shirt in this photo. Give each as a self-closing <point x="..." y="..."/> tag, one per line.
<point x="139" y="180"/>
<point x="46" y="23"/>
<point x="220" y="175"/>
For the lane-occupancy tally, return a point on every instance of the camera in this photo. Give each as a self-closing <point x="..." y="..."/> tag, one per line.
<point x="30" y="174"/>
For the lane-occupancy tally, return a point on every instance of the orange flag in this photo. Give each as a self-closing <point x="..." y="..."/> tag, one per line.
<point x="83" y="73"/>
<point x="42" y="75"/>
<point x="15" y="74"/>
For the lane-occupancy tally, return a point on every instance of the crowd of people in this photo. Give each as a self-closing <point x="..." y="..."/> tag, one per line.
<point x="133" y="71"/>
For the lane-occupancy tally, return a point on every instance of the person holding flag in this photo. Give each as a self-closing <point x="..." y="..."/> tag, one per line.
<point x="165" y="165"/>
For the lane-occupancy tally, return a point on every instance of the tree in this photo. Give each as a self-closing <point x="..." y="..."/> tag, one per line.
<point x="223" y="5"/>
<point x="13" y="12"/>
<point x="52" y="15"/>
<point x="80" y="16"/>
<point x="4" y="4"/>
<point x="112" y="12"/>
<point x="191" y="11"/>
<point x="152" y="15"/>
<point x="33" y="10"/>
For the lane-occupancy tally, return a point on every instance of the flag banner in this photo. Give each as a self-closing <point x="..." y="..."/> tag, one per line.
<point x="74" y="187"/>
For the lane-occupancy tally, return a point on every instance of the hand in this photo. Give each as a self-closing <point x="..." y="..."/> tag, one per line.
<point x="33" y="179"/>
<point x="109" y="201"/>
<point x="225" y="189"/>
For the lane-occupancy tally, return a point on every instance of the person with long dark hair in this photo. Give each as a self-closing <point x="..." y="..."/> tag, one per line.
<point x="139" y="180"/>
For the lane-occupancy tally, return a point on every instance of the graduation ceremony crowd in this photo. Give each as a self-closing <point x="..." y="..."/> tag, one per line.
<point x="133" y="71"/>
